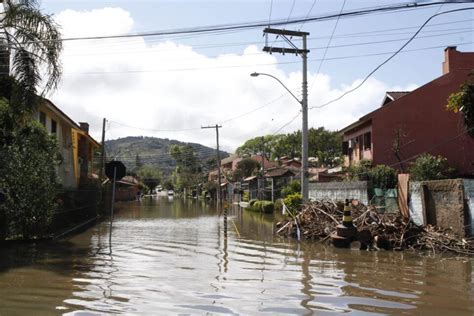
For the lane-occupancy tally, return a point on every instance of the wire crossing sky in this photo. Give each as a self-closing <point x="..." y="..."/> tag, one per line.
<point x="194" y="68"/>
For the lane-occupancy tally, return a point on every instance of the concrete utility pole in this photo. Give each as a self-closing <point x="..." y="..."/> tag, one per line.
<point x="304" y="102"/>
<point x="102" y="152"/>
<point x="219" y="195"/>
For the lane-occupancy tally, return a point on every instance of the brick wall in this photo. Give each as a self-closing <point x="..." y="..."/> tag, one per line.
<point x="340" y="191"/>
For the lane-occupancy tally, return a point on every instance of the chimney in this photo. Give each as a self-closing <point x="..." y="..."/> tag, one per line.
<point x="84" y="126"/>
<point x="449" y="56"/>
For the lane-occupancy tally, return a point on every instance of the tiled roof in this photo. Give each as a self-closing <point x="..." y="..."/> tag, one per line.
<point x="278" y="172"/>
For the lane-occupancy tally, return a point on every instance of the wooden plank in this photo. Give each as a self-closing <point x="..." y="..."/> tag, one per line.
<point x="403" y="181"/>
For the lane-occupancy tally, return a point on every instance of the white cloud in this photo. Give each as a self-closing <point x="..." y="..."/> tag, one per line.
<point x="166" y="86"/>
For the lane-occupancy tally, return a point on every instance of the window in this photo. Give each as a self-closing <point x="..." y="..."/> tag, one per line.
<point x="54" y="127"/>
<point x="368" y="140"/>
<point x="345" y="148"/>
<point x="42" y="118"/>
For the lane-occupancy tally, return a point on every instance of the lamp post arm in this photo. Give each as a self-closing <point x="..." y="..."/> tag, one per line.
<point x="291" y="93"/>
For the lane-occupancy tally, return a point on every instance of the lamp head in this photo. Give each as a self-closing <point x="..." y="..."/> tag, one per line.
<point x="254" y="74"/>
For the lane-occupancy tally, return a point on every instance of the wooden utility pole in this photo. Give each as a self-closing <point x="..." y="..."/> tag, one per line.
<point x="102" y="152"/>
<point x="219" y="195"/>
<point x="304" y="102"/>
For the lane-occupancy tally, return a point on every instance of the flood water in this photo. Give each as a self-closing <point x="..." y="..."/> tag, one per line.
<point x="172" y="257"/>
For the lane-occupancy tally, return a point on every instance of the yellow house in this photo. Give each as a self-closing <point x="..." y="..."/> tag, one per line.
<point x="75" y="144"/>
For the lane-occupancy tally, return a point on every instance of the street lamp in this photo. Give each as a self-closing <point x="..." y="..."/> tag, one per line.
<point x="304" y="133"/>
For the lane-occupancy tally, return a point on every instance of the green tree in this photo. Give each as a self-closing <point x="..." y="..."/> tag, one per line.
<point x="28" y="157"/>
<point x="326" y="146"/>
<point x="288" y="145"/>
<point x="462" y="102"/>
<point x="359" y="171"/>
<point x="245" y="168"/>
<point x="291" y="188"/>
<point x="429" y="167"/>
<point x="188" y="171"/>
<point x="383" y="177"/>
<point x="33" y="43"/>
<point x="150" y="176"/>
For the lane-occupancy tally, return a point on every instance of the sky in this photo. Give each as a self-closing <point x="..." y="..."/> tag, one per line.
<point x="169" y="87"/>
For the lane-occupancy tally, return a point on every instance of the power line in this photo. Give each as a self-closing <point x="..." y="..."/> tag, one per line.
<point x="327" y="46"/>
<point x="154" y="130"/>
<point x="254" y="65"/>
<point x="258" y="24"/>
<point x="287" y="123"/>
<point x="345" y="35"/>
<point x="148" y="50"/>
<point x="307" y="15"/>
<point x="388" y="59"/>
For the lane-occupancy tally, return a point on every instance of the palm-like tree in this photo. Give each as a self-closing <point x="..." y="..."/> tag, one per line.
<point x="30" y="45"/>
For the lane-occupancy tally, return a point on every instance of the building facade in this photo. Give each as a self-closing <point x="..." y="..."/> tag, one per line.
<point x="75" y="144"/>
<point x="408" y="124"/>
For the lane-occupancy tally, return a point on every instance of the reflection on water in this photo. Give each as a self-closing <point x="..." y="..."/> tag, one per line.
<point x="173" y="256"/>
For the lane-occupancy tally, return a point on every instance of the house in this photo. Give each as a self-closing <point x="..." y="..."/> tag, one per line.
<point x="408" y="124"/>
<point x="278" y="178"/>
<point x="75" y="144"/>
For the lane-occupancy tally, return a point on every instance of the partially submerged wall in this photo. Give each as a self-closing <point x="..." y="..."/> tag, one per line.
<point x="415" y="204"/>
<point x="340" y="191"/>
<point x="445" y="203"/>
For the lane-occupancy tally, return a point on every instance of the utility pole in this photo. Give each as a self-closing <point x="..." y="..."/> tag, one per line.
<point x="304" y="102"/>
<point x="262" y="194"/>
<point x="219" y="195"/>
<point x="102" y="152"/>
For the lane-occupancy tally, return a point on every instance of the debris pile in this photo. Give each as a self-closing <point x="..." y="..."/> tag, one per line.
<point x="318" y="221"/>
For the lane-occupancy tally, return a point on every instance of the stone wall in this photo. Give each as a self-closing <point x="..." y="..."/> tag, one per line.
<point x="340" y="191"/>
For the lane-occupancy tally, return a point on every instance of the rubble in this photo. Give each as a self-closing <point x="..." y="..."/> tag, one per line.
<point x="319" y="219"/>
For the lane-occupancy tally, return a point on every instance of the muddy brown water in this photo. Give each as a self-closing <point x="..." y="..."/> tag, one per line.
<point x="172" y="257"/>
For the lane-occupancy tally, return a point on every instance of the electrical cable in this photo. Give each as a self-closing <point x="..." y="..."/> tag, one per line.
<point x="258" y="24"/>
<point x="327" y="47"/>
<point x="391" y="57"/>
<point x="307" y="15"/>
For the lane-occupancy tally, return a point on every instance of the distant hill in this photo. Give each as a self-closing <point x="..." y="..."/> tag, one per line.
<point x="154" y="151"/>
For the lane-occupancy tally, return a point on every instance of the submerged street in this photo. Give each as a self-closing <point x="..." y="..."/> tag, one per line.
<point x="171" y="256"/>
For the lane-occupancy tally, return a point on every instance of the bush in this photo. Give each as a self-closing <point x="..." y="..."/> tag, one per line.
<point x="291" y="188"/>
<point x="293" y="201"/>
<point x="278" y="205"/>
<point x="28" y="156"/>
<point x="429" y="167"/>
<point x="359" y="171"/>
<point x="260" y="206"/>
<point x="383" y="177"/>
<point x="266" y="206"/>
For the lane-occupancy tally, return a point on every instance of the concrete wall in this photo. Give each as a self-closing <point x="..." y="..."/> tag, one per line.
<point x="340" y="191"/>
<point x="415" y="203"/>
<point x="469" y="198"/>
<point x="445" y="203"/>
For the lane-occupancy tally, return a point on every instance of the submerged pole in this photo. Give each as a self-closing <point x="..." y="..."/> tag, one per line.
<point x="112" y="206"/>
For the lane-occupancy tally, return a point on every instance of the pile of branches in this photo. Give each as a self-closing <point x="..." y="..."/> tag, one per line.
<point x="391" y="231"/>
